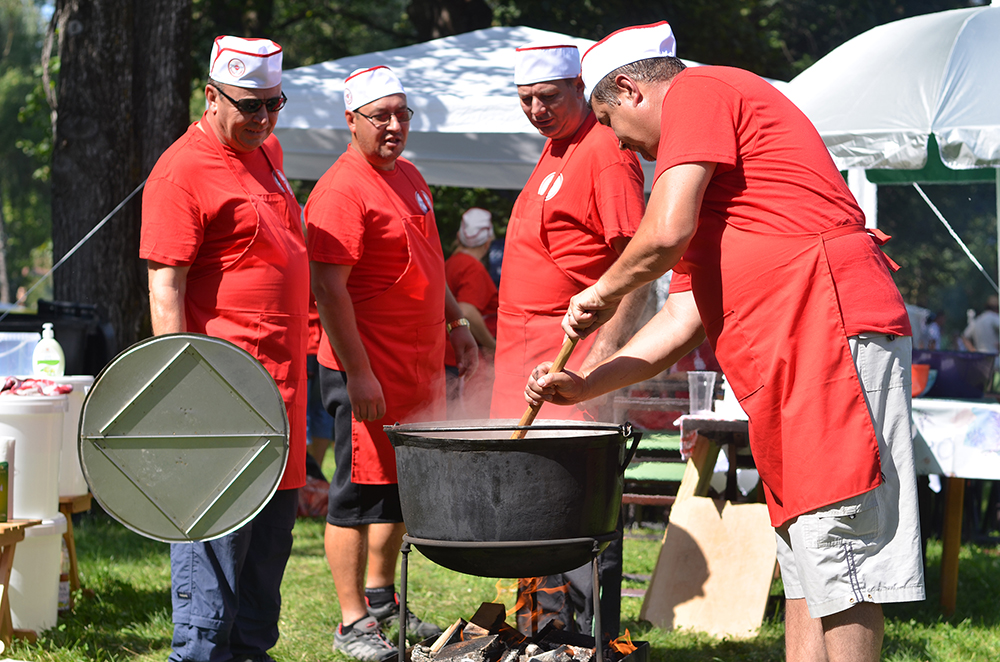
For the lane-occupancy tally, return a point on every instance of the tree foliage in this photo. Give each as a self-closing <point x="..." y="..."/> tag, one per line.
<point x="934" y="271"/>
<point x="775" y="38"/>
<point x="25" y="221"/>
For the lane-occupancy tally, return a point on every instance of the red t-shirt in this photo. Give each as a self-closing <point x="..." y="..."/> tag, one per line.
<point x="366" y="233"/>
<point x="773" y="174"/>
<point x="470" y="282"/>
<point x="248" y="280"/>
<point x="599" y="199"/>
<point x="192" y="184"/>
<point x="352" y="219"/>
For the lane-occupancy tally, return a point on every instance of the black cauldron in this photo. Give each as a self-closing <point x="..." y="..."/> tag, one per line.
<point x="480" y="503"/>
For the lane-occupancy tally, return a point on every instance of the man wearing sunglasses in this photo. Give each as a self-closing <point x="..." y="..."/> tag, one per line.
<point x="222" y="235"/>
<point x="378" y="277"/>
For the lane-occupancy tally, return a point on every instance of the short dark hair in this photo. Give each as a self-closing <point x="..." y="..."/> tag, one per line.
<point x="651" y="70"/>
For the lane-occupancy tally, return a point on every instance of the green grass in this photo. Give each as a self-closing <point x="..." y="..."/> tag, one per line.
<point x="127" y="617"/>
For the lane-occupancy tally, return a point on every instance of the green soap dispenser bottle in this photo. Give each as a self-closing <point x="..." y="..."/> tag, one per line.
<point x="48" y="359"/>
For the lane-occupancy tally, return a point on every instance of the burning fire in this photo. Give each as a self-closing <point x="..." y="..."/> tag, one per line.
<point x="623" y="644"/>
<point x="506" y="589"/>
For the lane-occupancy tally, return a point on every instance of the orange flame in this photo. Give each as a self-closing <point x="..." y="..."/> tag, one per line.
<point x="529" y="612"/>
<point x="623" y="644"/>
<point x="506" y="589"/>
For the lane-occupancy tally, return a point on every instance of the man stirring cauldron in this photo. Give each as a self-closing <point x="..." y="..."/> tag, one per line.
<point x="773" y="263"/>
<point x="222" y="235"/>
<point x="577" y="212"/>
<point x="378" y="278"/>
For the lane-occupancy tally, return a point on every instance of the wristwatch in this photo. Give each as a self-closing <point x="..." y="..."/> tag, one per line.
<point x="451" y="326"/>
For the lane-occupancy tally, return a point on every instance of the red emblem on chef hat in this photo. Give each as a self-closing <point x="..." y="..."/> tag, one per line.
<point x="236" y="68"/>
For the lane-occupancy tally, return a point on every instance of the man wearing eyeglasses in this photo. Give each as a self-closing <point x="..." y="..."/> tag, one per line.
<point x="378" y="277"/>
<point x="222" y="235"/>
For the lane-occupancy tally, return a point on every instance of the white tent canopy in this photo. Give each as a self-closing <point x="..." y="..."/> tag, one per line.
<point x="468" y="129"/>
<point x="878" y="98"/>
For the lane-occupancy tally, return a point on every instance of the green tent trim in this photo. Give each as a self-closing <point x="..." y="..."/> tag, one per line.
<point x="935" y="172"/>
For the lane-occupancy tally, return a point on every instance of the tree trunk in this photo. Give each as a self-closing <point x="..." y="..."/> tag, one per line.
<point x="4" y="283"/>
<point x="123" y="92"/>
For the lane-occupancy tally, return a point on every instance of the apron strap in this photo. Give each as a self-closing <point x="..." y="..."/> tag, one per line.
<point x="880" y="238"/>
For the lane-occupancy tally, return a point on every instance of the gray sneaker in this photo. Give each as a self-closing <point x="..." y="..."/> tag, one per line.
<point x="388" y="614"/>
<point x="364" y="641"/>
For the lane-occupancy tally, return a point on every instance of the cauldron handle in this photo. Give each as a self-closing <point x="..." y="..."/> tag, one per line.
<point x="628" y="431"/>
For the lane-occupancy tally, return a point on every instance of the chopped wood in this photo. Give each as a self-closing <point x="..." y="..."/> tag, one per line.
<point x="556" y="637"/>
<point x="581" y="653"/>
<point x="511" y="656"/>
<point x="471" y="631"/>
<point x="490" y="615"/>
<point x="511" y="636"/>
<point x="560" y="654"/>
<point x="449" y="636"/>
<point x="480" y="649"/>
<point x="421" y="653"/>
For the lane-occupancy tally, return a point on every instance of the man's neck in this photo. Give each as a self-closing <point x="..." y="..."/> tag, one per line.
<point x="585" y="115"/>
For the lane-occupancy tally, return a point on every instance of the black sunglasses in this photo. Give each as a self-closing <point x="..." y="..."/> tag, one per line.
<point x="251" y="105"/>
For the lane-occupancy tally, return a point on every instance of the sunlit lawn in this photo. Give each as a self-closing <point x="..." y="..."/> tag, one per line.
<point x="127" y="617"/>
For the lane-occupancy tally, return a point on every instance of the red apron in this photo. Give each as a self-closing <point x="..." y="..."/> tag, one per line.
<point x="534" y="296"/>
<point x="772" y="315"/>
<point x="403" y="333"/>
<point x="259" y="301"/>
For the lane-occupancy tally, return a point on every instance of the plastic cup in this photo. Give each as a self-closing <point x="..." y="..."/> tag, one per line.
<point x="701" y="389"/>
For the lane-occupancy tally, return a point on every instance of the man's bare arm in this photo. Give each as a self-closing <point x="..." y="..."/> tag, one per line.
<point x="667" y="338"/>
<point x="167" y="287"/>
<point x="336" y="313"/>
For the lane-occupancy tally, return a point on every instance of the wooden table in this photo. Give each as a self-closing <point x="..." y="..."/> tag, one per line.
<point x="11" y="533"/>
<point x="68" y="505"/>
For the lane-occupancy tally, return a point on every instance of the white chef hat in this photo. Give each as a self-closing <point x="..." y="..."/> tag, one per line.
<point x="366" y="85"/>
<point x="476" y="228"/>
<point x="628" y="45"/>
<point x="250" y="63"/>
<point x="536" y="63"/>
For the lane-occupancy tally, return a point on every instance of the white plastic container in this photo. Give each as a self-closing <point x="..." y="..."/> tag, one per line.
<point x="36" y="423"/>
<point x="48" y="359"/>
<point x="71" y="479"/>
<point x="16" y="348"/>
<point x="34" y="578"/>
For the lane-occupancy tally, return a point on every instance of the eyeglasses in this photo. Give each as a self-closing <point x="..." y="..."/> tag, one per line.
<point x="251" y="105"/>
<point x="382" y="119"/>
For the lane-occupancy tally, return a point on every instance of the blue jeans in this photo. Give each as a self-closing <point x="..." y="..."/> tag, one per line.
<point x="225" y="592"/>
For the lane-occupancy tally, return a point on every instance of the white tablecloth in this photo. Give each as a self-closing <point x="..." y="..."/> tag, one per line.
<point x="958" y="438"/>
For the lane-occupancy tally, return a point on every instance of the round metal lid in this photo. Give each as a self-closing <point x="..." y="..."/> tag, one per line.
<point x="183" y="437"/>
